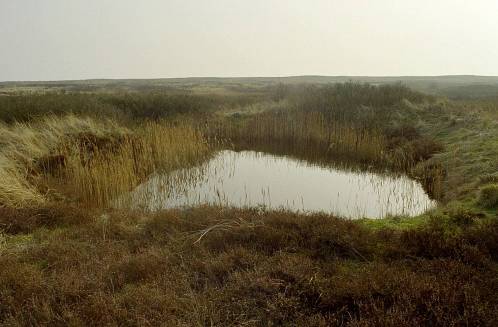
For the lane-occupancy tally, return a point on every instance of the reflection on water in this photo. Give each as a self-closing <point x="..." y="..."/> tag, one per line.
<point x="248" y="179"/>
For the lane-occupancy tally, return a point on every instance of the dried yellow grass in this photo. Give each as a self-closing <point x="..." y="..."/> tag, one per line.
<point x="23" y="144"/>
<point x="15" y="190"/>
<point x="155" y="146"/>
<point x="93" y="175"/>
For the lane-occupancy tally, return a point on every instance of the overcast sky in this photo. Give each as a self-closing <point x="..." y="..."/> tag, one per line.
<point x="80" y="39"/>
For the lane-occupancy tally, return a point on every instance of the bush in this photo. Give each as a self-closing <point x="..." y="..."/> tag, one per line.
<point x="489" y="178"/>
<point x="360" y="104"/>
<point x="462" y="216"/>
<point x="489" y="196"/>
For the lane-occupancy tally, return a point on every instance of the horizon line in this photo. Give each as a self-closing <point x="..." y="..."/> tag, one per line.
<point x="244" y="77"/>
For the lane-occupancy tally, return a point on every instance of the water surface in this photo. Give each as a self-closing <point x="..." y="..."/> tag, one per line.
<point x="249" y="179"/>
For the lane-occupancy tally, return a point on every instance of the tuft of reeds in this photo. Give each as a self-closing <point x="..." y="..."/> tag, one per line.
<point x="100" y="176"/>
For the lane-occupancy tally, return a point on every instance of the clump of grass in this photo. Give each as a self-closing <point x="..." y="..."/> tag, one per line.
<point x="24" y="145"/>
<point x="409" y="147"/>
<point x="462" y="216"/>
<point x="15" y="189"/>
<point x="488" y="197"/>
<point x="27" y="142"/>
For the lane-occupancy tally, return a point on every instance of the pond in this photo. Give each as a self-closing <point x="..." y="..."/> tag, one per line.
<point x="252" y="179"/>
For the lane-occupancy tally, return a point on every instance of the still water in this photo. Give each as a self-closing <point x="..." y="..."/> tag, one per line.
<point x="249" y="179"/>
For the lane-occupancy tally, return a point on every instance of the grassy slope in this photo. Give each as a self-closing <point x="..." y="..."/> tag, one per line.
<point x="470" y="137"/>
<point x="469" y="133"/>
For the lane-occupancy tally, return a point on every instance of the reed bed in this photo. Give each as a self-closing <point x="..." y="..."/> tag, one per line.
<point x="86" y="160"/>
<point x="99" y="177"/>
<point x="306" y="131"/>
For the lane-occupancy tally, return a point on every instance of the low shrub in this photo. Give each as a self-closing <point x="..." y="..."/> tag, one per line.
<point x="489" y="178"/>
<point x="257" y="268"/>
<point x="488" y="197"/>
<point x="27" y="220"/>
<point x="464" y="217"/>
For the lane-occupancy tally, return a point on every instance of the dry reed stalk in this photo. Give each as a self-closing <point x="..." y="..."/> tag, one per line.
<point x="225" y="225"/>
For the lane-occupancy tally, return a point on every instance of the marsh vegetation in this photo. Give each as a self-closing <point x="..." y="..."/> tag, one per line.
<point x="70" y="255"/>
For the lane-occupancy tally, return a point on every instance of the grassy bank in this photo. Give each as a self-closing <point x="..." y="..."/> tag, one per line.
<point x="468" y="131"/>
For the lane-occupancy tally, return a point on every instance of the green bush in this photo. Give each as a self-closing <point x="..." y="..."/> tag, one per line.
<point x="489" y="196"/>
<point x="462" y="216"/>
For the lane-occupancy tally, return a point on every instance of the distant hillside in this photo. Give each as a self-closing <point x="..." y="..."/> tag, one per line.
<point x="453" y="86"/>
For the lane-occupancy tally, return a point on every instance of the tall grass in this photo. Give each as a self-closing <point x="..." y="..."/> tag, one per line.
<point x="24" y="146"/>
<point x="101" y="176"/>
<point x="15" y="189"/>
<point x="87" y="160"/>
<point x="307" y="131"/>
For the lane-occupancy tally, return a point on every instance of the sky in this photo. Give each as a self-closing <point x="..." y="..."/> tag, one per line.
<point x="83" y="39"/>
